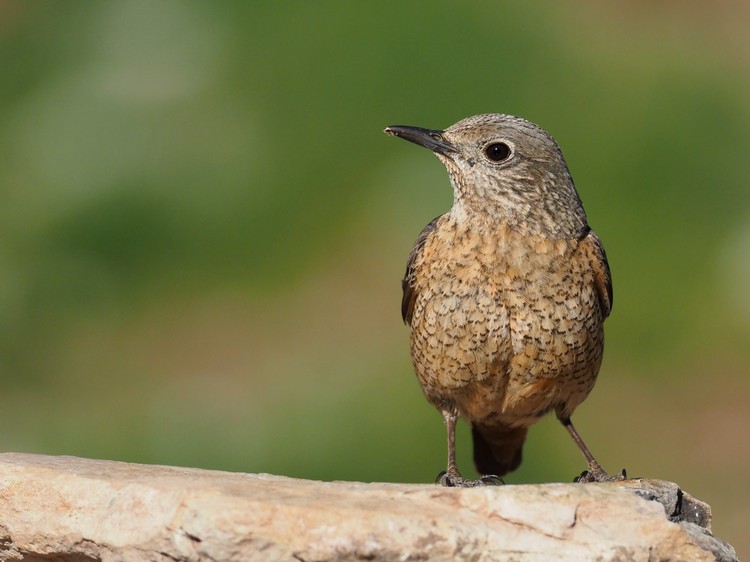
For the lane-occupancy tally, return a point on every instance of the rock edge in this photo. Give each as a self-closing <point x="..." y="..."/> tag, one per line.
<point x="74" y="509"/>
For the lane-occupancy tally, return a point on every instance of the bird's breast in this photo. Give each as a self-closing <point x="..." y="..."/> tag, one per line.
<point x="513" y="311"/>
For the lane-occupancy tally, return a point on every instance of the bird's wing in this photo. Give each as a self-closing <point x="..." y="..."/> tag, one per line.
<point x="408" y="282"/>
<point x="594" y="250"/>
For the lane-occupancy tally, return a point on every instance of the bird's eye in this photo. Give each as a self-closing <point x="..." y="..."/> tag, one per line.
<point x="497" y="151"/>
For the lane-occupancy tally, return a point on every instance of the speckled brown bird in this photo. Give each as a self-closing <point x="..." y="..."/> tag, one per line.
<point x="505" y="294"/>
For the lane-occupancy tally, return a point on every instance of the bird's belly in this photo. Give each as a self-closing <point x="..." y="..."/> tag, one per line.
<point x="460" y="335"/>
<point x="499" y="348"/>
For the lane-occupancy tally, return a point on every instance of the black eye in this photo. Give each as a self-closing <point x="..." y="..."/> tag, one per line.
<point x="497" y="151"/>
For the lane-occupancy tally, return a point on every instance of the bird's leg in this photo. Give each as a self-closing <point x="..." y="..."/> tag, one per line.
<point x="595" y="472"/>
<point x="452" y="477"/>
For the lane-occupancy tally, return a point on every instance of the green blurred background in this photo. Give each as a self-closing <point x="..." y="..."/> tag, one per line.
<point x="204" y="228"/>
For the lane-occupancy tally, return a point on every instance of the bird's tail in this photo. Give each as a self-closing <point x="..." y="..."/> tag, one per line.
<point x="497" y="450"/>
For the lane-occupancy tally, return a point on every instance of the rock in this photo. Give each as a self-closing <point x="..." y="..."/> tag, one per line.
<point x="66" y="508"/>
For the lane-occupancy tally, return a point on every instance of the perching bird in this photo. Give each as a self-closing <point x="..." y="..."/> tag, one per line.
<point x="505" y="294"/>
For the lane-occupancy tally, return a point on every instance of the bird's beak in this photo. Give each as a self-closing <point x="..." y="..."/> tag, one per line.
<point x="429" y="138"/>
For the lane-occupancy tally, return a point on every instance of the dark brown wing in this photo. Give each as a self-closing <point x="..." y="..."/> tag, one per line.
<point x="408" y="282"/>
<point x="593" y="248"/>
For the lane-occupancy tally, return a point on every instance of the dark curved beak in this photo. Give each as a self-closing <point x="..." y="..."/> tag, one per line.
<point x="429" y="138"/>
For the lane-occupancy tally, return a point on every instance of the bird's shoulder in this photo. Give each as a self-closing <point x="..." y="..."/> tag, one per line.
<point x="592" y="249"/>
<point x="408" y="283"/>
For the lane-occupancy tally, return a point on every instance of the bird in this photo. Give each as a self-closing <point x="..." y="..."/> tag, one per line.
<point x="506" y="293"/>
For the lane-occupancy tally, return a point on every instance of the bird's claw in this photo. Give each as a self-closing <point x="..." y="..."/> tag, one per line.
<point x="596" y="474"/>
<point x="491" y="480"/>
<point x="455" y="480"/>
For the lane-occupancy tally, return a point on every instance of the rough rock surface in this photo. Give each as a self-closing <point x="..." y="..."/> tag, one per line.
<point x="66" y="508"/>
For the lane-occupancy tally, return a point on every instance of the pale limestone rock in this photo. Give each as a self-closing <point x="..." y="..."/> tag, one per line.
<point x="65" y="508"/>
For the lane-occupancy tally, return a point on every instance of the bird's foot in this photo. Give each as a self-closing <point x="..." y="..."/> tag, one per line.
<point x="491" y="480"/>
<point x="453" y="479"/>
<point x="595" y="473"/>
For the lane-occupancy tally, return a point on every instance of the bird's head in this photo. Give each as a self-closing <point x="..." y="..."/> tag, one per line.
<point x="505" y="169"/>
